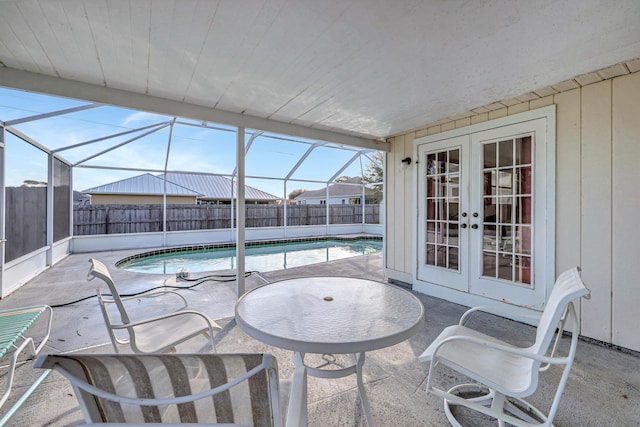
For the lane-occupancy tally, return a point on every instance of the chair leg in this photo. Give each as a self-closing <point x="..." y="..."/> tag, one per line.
<point x="525" y="411"/>
<point x="479" y="395"/>
<point x="513" y="411"/>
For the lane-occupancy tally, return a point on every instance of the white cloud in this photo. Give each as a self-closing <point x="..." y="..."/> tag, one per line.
<point x="141" y="118"/>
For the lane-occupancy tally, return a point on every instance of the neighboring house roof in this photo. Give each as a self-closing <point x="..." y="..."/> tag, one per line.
<point x="145" y="184"/>
<point x="216" y="187"/>
<point x="79" y="197"/>
<point x="340" y="189"/>
<point x="179" y="184"/>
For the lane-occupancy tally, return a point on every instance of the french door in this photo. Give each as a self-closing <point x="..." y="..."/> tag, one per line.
<point x="481" y="213"/>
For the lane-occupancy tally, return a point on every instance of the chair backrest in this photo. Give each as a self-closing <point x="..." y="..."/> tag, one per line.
<point x="173" y="388"/>
<point x="99" y="270"/>
<point x="567" y="288"/>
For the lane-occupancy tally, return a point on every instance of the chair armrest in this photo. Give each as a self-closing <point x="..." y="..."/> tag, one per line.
<point x="499" y="311"/>
<point x="212" y="324"/>
<point x="522" y="352"/>
<point x="155" y="295"/>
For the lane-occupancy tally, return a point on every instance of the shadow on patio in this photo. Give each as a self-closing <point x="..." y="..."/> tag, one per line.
<point x="603" y="388"/>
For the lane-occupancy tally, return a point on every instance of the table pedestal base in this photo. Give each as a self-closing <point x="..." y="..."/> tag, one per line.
<point x="356" y="368"/>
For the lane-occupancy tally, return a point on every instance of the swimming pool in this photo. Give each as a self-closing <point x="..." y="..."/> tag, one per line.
<point x="258" y="257"/>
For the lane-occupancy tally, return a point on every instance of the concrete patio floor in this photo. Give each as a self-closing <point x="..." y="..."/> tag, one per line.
<point x="603" y="388"/>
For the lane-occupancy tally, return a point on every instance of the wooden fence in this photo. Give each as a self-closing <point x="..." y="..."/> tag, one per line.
<point x="112" y="219"/>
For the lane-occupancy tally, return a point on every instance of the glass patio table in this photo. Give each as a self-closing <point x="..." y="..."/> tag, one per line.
<point x="330" y="315"/>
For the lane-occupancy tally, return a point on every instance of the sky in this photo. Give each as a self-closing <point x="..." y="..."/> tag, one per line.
<point x="192" y="148"/>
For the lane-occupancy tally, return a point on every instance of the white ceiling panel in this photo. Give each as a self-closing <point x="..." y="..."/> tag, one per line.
<point x="359" y="68"/>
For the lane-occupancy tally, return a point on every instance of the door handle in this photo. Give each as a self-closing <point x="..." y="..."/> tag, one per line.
<point x="463" y="225"/>
<point x="474" y="226"/>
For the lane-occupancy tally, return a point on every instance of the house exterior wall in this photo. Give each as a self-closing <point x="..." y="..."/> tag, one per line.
<point x="122" y="199"/>
<point x="597" y="196"/>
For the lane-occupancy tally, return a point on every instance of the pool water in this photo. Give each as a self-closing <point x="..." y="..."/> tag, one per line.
<point x="267" y="257"/>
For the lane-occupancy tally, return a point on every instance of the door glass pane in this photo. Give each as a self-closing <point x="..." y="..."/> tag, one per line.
<point x="431" y="255"/>
<point x="522" y="268"/>
<point x="505" y="238"/>
<point x="490" y="211"/>
<point x="488" y="264"/>
<point x="431" y="209"/>
<point x="523" y="180"/>
<point x="489" y="155"/>
<point x="442" y="208"/>
<point x="453" y="259"/>
<point x="523" y="210"/>
<point x="523" y="240"/>
<point x="508" y="201"/>
<point x="442" y="256"/>
<point x="431" y="164"/>
<point x="505" y="267"/>
<point x="431" y="186"/>
<point x="523" y="150"/>
<point x="454" y="161"/>
<point x="431" y="232"/>
<point x="505" y="153"/>
<point x="489" y="237"/>
<point x="505" y="210"/>
<point x="453" y="234"/>
<point x="453" y="186"/>
<point x="505" y="182"/>
<point x="453" y="210"/>
<point x="442" y="161"/>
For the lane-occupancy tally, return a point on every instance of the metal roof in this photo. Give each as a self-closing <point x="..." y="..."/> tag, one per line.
<point x="216" y="187"/>
<point x="145" y="184"/>
<point x="340" y="189"/>
<point x="180" y="184"/>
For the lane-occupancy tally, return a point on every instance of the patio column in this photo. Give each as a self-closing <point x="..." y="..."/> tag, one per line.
<point x="2" y="208"/>
<point x="240" y="200"/>
<point x="50" y="202"/>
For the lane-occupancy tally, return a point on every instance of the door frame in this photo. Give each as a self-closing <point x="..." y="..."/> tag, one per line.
<point x="549" y="115"/>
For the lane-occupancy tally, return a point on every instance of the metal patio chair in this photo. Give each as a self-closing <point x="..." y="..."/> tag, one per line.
<point x="14" y="324"/>
<point x="211" y="389"/>
<point x="150" y="334"/>
<point x="506" y="374"/>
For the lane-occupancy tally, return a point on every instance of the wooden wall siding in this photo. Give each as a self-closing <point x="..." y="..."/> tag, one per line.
<point x="568" y="178"/>
<point x="596" y="208"/>
<point x="597" y="195"/>
<point x="626" y="210"/>
<point x="398" y="206"/>
<point x="115" y="219"/>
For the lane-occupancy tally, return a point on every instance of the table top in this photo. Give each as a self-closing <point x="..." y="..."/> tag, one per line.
<point x="329" y="314"/>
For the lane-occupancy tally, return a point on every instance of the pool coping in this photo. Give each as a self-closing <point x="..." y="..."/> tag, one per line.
<point x="199" y="247"/>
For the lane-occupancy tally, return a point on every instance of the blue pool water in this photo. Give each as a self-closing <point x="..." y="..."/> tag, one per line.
<point x="267" y="257"/>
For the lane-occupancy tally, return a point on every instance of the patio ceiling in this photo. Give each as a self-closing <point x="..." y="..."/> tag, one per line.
<point x="351" y="72"/>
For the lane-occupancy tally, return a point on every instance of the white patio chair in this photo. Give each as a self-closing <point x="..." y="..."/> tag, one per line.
<point x="504" y="373"/>
<point x="150" y="334"/>
<point x="211" y="389"/>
